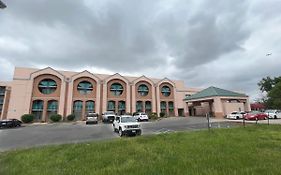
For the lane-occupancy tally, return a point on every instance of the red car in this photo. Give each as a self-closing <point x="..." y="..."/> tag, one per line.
<point x="255" y="115"/>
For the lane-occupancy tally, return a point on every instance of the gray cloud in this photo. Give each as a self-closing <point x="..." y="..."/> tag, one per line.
<point x="202" y="42"/>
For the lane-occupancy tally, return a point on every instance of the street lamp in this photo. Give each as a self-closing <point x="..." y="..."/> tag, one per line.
<point x="2" y="5"/>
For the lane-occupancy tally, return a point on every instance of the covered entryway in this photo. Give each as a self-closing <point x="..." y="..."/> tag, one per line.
<point x="217" y="102"/>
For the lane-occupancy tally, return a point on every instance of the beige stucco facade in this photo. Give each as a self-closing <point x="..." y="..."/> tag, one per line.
<point x="27" y="93"/>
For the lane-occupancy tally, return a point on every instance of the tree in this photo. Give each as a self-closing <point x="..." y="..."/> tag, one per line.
<point x="274" y="97"/>
<point x="272" y="87"/>
<point x="266" y="84"/>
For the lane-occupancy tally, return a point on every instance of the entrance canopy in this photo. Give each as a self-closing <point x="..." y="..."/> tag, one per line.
<point x="219" y="102"/>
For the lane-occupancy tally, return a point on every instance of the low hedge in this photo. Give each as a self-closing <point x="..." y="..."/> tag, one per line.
<point x="55" y="118"/>
<point x="153" y="116"/>
<point x="162" y="114"/>
<point x="27" y="118"/>
<point x="70" y="117"/>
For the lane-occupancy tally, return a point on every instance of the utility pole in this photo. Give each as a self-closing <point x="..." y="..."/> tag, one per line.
<point x="2" y="5"/>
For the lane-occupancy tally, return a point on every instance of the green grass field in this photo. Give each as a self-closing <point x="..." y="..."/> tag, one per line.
<point x="251" y="150"/>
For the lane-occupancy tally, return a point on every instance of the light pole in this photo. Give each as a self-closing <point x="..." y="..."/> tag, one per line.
<point x="2" y="5"/>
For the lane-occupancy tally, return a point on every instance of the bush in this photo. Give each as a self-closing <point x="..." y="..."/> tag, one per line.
<point x="162" y="114"/>
<point x="153" y="116"/>
<point x="70" y="117"/>
<point x="56" y="117"/>
<point x="27" y="118"/>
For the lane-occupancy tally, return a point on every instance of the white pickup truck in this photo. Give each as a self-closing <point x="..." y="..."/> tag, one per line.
<point x="108" y="116"/>
<point x="126" y="125"/>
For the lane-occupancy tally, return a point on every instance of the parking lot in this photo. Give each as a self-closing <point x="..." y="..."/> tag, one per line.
<point x="59" y="133"/>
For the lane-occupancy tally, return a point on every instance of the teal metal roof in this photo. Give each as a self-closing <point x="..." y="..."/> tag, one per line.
<point x="214" y="91"/>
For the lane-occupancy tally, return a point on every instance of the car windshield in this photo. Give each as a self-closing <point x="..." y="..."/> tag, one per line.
<point x="109" y="112"/>
<point x="269" y="111"/>
<point x="254" y="112"/>
<point x="234" y="113"/>
<point x="127" y="119"/>
<point x="143" y="113"/>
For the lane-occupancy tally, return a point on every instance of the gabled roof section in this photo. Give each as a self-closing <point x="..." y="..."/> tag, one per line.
<point x="85" y="73"/>
<point x="34" y="74"/>
<point x="213" y="92"/>
<point x="165" y="80"/>
<point x="116" y="75"/>
<point x="143" y="77"/>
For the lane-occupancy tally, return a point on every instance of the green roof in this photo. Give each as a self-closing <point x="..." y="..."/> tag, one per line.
<point x="214" y="91"/>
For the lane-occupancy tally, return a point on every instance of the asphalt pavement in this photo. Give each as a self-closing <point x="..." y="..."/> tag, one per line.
<point x="60" y="133"/>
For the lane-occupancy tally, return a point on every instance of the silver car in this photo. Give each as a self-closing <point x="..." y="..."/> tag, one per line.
<point x="92" y="118"/>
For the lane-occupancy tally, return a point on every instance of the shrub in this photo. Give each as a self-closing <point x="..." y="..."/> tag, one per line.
<point x="55" y="117"/>
<point x="27" y="118"/>
<point x="70" y="117"/>
<point x="153" y="116"/>
<point x="162" y="114"/>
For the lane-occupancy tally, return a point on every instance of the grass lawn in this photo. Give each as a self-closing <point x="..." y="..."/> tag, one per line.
<point x="251" y="150"/>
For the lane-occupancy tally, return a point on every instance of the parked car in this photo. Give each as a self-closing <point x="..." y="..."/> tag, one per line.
<point x="255" y="115"/>
<point x="10" y="123"/>
<point x="273" y="113"/>
<point x="126" y="125"/>
<point x="140" y="116"/>
<point x="92" y="118"/>
<point x="236" y="115"/>
<point x="108" y="116"/>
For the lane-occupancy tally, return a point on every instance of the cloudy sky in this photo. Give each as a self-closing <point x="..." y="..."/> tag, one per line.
<point x="220" y="43"/>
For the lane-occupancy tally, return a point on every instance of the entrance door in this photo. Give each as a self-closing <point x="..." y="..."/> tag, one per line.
<point x="181" y="112"/>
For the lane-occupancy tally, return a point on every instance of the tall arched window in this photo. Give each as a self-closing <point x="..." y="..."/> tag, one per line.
<point x="163" y="106"/>
<point x="111" y="106"/>
<point x="37" y="109"/>
<point x="143" y="90"/>
<point x="121" y="107"/>
<point x="90" y="107"/>
<point x="47" y="86"/>
<point x="77" y="109"/>
<point x="171" y="108"/>
<point x="116" y="89"/>
<point x="139" y="106"/>
<point x="85" y="87"/>
<point x="52" y="107"/>
<point x="148" y="107"/>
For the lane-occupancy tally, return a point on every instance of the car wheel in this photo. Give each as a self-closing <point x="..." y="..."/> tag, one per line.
<point x="275" y="117"/>
<point x="120" y="132"/>
<point x="237" y="117"/>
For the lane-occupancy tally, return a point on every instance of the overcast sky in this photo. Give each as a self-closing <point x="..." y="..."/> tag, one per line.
<point x="220" y="43"/>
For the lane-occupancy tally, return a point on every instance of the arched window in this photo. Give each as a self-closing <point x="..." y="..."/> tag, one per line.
<point x="47" y="86"/>
<point x="37" y="109"/>
<point x="111" y="106"/>
<point x="143" y="90"/>
<point x="77" y="109"/>
<point x="90" y="106"/>
<point x="163" y="106"/>
<point x="116" y="89"/>
<point x="85" y="87"/>
<point x="52" y="107"/>
<point x="171" y="108"/>
<point x="148" y="107"/>
<point x="139" y="106"/>
<point x="121" y="107"/>
<point x="166" y="91"/>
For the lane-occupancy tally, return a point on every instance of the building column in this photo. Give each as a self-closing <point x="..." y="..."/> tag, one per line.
<point x="157" y="97"/>
<point x="218" y="109"/>
<point x="133" y="102"/>
<point x="128" y="98"/>
<point x="104" y="97"/>
<point x="153" y="102"/>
